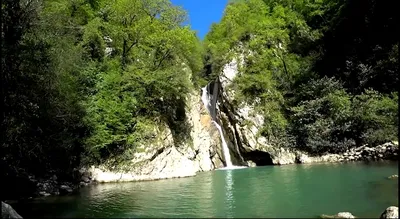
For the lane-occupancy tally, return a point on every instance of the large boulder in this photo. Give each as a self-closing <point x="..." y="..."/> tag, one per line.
<point x="390" y="212"/>
<point x="339" y="215"/>
<point x="8" y="212"/>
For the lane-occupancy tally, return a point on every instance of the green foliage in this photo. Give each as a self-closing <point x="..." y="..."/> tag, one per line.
<point x="262" y="32"/>
<point x="144" y="83"/>
<point x="306" y="65"/>
<point x="329" y="119"/>
<point x="375" y="117"/>
<point x="91" y="80"/>
<point x="42" y="126"/>
<point x="322" y="120"/>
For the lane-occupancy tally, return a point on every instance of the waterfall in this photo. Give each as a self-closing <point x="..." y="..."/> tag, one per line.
<point x="225" y="148"/>
<point x="210" y="104"/>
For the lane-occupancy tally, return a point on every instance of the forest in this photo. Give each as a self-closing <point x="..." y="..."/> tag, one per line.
<point x="84" y="81"/>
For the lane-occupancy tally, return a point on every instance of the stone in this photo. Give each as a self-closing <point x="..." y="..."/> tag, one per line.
<point x="8" y="212"/>
<point x="345" y="215"/>
<point x="283" y="158"/>
<point x="304" y="159"/>
<point x="339" y="215"/>
<point x="394" y="176"/>
<point x="65" y="189"/>
<point x="390" y="212"/>
<point x="43" y="193"/>
<point x="85" y="179"/>
<point x="251" y="163"/>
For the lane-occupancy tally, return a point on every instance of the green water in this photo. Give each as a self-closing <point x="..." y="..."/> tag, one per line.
<point x="271" y="191"/>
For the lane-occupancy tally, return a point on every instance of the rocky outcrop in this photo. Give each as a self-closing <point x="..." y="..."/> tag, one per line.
<point x="242" y="124"/>
<point x="167" y="158"/>
<point x="339" y="215"/>
<point x="52" y="186"/>
<point x="8" y="212"/>
<point x="390" y="212"/>
<point x="387" y="151"/>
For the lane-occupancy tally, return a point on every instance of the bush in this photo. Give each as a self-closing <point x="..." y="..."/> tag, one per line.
<point x="323" y="124"/>
<point x="330" y="120"/>
<point x="375" y="117"/>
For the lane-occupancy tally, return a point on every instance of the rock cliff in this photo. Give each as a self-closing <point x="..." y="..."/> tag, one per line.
<point x="168" y="157"/>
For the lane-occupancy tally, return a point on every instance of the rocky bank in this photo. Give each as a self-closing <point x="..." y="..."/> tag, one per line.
<point x="390" y="212"/>
<point x="8" y="212"/>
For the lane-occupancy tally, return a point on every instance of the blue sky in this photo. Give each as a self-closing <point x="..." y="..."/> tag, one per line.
<point x="202" y="13"/>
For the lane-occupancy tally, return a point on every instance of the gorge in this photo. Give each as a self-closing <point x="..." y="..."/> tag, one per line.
<point x="281" y="105"/>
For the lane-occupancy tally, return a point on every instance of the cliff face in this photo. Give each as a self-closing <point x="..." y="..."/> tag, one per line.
<point x="201" y="150"/>
<point x="168" y="158"/>
<point x="242" y="124"/>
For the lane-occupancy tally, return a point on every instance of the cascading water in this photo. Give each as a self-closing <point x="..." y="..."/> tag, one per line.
<point x="207" y="103"/>
<point x="225" y="148"/>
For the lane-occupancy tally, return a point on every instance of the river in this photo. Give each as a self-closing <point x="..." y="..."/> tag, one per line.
<point x="271" y="191"/>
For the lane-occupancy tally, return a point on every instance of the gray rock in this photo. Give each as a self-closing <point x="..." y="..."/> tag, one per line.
<point x="85" y="179"/>
<point x="390" y="212"/>
<point x="65" y="189"/>
<point x="339" y="215"/>
<point x="43" y="193"/>
<point x="251" y="163"/>
<point x="394" y="176"/>
<point x="345" y="215"/>
<point x="83" y="184"/>
<point x="8" y="212"/>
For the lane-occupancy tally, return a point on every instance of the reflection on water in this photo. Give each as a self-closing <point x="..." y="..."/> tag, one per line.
<point x="229" y="198"/>
<point x="272" y="191"/>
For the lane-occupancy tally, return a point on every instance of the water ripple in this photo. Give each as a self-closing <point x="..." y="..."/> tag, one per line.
<point x="285" y="191"/>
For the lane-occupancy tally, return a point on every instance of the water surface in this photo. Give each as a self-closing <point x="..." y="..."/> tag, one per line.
<point x="271" y="191"/>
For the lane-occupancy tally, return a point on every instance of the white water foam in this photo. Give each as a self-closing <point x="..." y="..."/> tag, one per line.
<point x="225" y="149"/>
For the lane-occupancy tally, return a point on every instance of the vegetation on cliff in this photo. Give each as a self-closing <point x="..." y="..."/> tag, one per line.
<point x="323" y="73"/>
